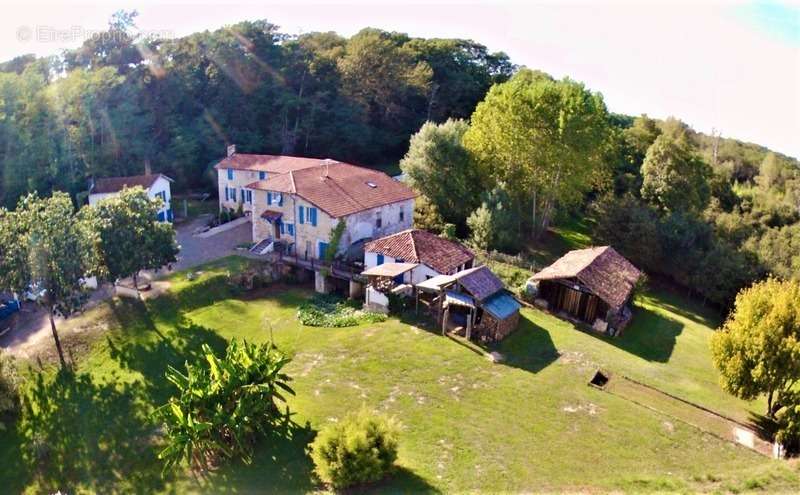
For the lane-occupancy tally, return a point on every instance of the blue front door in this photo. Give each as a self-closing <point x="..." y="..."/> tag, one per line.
<point x="323" y="248"/>
<point x="160" y="216"/>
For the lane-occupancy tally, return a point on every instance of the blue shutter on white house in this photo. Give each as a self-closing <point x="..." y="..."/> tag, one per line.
<point x="290" y="226"/>
<point x="227" y="195"/>
<point x="301" y="214"/>
<point x="230" y="174"/>
<point x="312" y="216"/>
<point x="269" y="198"/>
<point x="282" y="228"/>
<point x="280" y="200"/>
<point x="380" y="259"/>
<point x="262" y="175"/>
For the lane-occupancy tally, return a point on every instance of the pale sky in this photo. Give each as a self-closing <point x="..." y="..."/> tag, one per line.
<point x="732" y="66"/>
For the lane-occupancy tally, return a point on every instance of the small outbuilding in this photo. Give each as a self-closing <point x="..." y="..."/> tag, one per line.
<point x="473" y="299"/>
<point x="591" y="285"/>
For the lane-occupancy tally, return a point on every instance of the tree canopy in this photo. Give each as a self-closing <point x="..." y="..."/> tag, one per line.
<point x="544" y="138"/>
<point x="757" y="350"/>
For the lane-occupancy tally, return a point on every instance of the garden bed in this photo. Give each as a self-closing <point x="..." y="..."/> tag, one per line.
<point x="331" y="311"/>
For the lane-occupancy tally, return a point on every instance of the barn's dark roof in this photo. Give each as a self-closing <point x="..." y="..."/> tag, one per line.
<point x="602" y="270"/>
<point x="480" y="282"/>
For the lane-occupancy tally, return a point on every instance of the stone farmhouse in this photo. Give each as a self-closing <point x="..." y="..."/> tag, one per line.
<point x="296" y="203"/>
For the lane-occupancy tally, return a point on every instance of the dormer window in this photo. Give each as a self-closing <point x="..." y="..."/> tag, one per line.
<point x="372" y="185"/>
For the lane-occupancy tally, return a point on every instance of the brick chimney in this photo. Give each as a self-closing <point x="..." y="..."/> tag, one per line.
<point x="231" y="150"/>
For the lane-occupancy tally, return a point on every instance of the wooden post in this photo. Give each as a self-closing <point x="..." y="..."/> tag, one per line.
<point x="416" y="303"/>
<point x="469" y="325"/>
<point x="444" y="320"/>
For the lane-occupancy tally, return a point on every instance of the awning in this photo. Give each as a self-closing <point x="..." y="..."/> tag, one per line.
<point x="458" y="299"/>
<point x="271" y="215"/>
<point x="501" y="305"/>
<point x="436" y="283"/>
<point x="389" y="269"/>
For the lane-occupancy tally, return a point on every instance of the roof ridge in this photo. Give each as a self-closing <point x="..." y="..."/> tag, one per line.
<point x="414" y="244"/>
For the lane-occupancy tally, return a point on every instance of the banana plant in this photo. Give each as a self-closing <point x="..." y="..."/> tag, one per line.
<point x="223" y="404"/>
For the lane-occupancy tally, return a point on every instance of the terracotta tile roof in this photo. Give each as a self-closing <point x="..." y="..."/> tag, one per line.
<point x="339" y="189"/>
<point x="116" y="184"/>
<point x="419" y="246"/>
<point x="480" y="282"/>
<point x="602" y="270"/>
<point x="276" y="164"/>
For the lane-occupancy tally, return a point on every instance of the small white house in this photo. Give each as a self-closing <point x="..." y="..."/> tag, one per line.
<point x="156" y="185"/>
<point x="434" y="255"/>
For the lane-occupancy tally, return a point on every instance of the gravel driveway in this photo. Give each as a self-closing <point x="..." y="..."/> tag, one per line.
<point x="196" y="251"/>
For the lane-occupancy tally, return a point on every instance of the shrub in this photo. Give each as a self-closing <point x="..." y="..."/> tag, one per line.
<point x="223" y="404"/>
<point x="331" y="311"/>
<point x="9" y="388"/>
<point x="362" y="448"/>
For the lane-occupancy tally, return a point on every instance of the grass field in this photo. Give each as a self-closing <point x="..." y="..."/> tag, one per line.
<point x="530" y="424"/>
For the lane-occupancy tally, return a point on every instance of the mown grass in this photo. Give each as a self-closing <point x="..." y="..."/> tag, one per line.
<point x="530" y="424"/>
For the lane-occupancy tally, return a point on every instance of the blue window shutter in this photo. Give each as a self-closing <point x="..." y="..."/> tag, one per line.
<point x="301" y="214"/>
<point x="262" y="175"/>
<point x="312" y="216"/>
<point x="291" y="228"/>
<point x="226" y="193"/>
<point x="323" y="247"/>
<point x="280" y="200"/>
<point x="230" y="174"/>
<point x="380" y="259"/>
<point x="282" y="228"/>
<point x="269" y="198"/>
<point x="249" y="196"/>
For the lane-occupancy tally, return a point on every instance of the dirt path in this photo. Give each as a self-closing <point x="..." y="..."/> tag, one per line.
<point x="692" y="414"/>
<point x="31" y="336"/>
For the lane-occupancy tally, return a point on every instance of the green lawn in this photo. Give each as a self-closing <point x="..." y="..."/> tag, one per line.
<point x="530" y="424"/>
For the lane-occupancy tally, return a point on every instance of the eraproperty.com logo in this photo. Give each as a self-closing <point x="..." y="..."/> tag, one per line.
<point x="52" y="34"/>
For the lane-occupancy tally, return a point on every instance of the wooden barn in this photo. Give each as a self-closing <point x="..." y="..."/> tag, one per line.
<point x="591" y="285"/>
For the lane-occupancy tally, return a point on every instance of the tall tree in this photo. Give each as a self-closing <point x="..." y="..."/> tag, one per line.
<point x="675" y="178"/>
<point x="55" y="258"/>
<point x="544" y="138"/>
<point x="757" y="350"/>
<point x="440" y="167"/>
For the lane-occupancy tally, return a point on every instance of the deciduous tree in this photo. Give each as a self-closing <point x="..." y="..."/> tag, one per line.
<point x="544" y="138"/>
<point x="757" y="350"/>
<point x="127" y="237"/>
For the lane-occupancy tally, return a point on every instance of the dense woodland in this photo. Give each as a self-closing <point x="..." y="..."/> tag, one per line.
<point x="498" y="153"/>
<point x="119" y="102"/>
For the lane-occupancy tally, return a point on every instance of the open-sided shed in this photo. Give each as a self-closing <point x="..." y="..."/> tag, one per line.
<point x="474" y="299"/>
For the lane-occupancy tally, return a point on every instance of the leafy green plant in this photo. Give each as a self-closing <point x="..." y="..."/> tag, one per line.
<point x="362" y="448"/>
<point x="331" y="311"/>
<point x="335" y="240"/>
<point x="223" y="404"/>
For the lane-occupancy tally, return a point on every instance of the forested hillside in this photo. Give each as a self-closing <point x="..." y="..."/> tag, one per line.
<point x="119" y="102"/>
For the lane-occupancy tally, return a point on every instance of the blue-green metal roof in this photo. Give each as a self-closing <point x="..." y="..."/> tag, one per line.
<point x="501" y="305"/>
